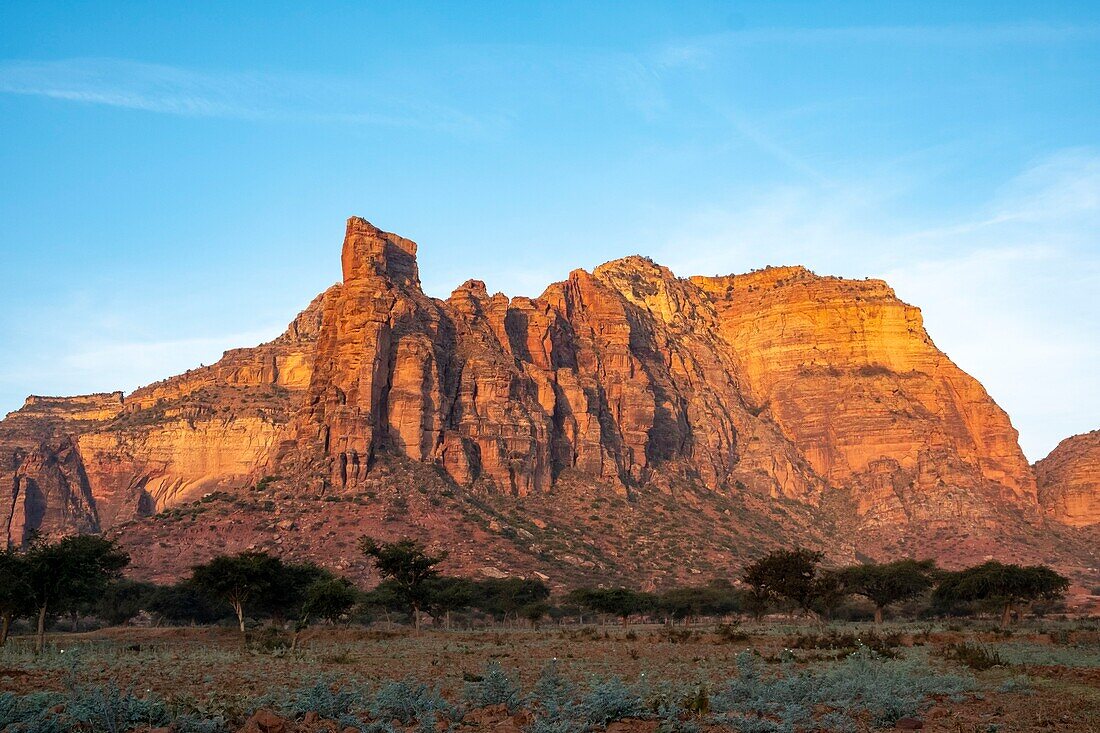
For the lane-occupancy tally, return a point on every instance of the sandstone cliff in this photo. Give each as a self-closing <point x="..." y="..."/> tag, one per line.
<point x="778" y="381"/>
<point x="744" y="411"/>
<point x="86" y="463"/>
<point x="1069" y="481"/>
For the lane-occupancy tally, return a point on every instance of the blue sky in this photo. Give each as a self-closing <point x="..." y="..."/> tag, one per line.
<point x="174" y="177"/>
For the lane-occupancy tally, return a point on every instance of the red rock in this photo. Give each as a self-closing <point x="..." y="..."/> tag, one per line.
<point x="747" y="388"/>
<point x="265" y="721"/>
<point x="1069" y="480"/>
<point x="909" y="724"/>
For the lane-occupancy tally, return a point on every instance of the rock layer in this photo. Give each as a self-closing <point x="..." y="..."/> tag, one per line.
<point x="793" y="394"/>
<point x="779" y="381"/>
<point x="1069" y="481"/>
<point x="87" y="463"/>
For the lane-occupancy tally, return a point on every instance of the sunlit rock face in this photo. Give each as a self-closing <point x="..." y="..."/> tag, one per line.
<point x="1069" y="481"/>
<point x="778" y="388"/>
<point x="778" y="381"/>
<point x="87" y="463"/>
<point x="852" y="378"/>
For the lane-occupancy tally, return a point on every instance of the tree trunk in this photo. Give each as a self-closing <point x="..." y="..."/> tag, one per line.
<point x="878" y="615"/>
<point x="1006" y="616"/>
<point x="239" y="610"/>
<point x="5" y="627"/>
<point x="40" y="636"/>
<point x="416" y="619"/>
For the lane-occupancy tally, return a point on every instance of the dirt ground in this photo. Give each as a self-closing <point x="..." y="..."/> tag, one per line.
<point x="1047" y="678"/>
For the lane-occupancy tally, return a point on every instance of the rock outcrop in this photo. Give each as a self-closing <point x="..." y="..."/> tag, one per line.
<point x="1069" y="481"/>
<point x="778" y="381"/>
<point x="87" y="463"/>
<point x="812" y="403"/>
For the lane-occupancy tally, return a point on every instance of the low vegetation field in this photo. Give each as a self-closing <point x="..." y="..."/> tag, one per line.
<point x="972" y="677"/>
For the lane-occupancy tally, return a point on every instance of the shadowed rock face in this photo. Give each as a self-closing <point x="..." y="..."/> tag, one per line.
<point x="800" y="390"/>
<point x="1069" y="480"/>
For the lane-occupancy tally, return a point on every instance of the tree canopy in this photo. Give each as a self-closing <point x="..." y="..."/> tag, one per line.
<point x="621" y="602"/>
<point x="70" y="572"/>
<point x="1003" y="584"/>
<point x="16" y="599"/>
<point x="889" y="583"/>
<point x="409" y="568"/>
<point x="248" y="577"/>
<point x="787" y="576"/>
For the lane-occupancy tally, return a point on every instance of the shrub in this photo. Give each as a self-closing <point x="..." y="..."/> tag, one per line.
<point x="495" y="687"/>
<point x="271" y="640"/>
<point x="554" y="707"/>
<point x="730" y="634"/>
<point x="29" y="713"/>
<point x="1020" y="683"/>
<point x="863" y="684"/>
<point x="113" y="710"/>
<point x="408" y="702"/>
<point x="327" y="697"/>
<point x="882" y="644"/>
<point x="975" y="656"/>
<point x="611" y="699"/>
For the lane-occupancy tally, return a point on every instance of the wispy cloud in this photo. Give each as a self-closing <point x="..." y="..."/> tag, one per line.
<point x="174" y="90"/>
<point x="1008" y="293"/>
<point x="699" y="51"/>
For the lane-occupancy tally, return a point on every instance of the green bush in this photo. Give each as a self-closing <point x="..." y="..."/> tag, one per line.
<point x="975" y="656"/>
<point x="611" y="699"/>
<point x="495" y="687"/>
<point x="554" y="707"/>
<point x="409" y="701"/>
<point x="345" y="703"/>
<point x="863" y="685"/>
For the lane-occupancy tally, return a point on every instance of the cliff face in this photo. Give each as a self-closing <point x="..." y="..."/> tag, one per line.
<point x="87" y="463"/>
<point x="852" y="378"/>
<point x="1069" y="481"/>
<point x="779" y="381"/>
<point x="42" y="479"/>
<point x="617" y="375"/>
<point x="818" y="406"/>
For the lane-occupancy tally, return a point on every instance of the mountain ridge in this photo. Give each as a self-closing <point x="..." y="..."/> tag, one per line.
<point x="817" y="407"/>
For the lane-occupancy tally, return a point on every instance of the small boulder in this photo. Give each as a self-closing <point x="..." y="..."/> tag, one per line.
<point x="265" y="721"/>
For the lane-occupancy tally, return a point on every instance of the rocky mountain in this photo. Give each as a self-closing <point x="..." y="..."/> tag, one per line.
<point x="1069" y="481"/>
<point x="626" y="423"/>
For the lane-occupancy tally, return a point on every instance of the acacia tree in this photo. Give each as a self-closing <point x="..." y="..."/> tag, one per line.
<point x="289" y="591"/>
<point x="184" y="603"/>
<point x="68" y="573"/>
<point x="889" y="583"/>
<point x="1005" y="585"/>
<point x="239" y="580"/>
<point x="327" y="598"/>
<point x="16" y="599"/>
<point x="789" y="576"/>
<point x="330" y="599"/>
<point x="446" y="594"/>
<point x="621" y="602"/>
<point x="687" y="603"/>
<point x="409" y="568"/>
<point x="122" y="600"/>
